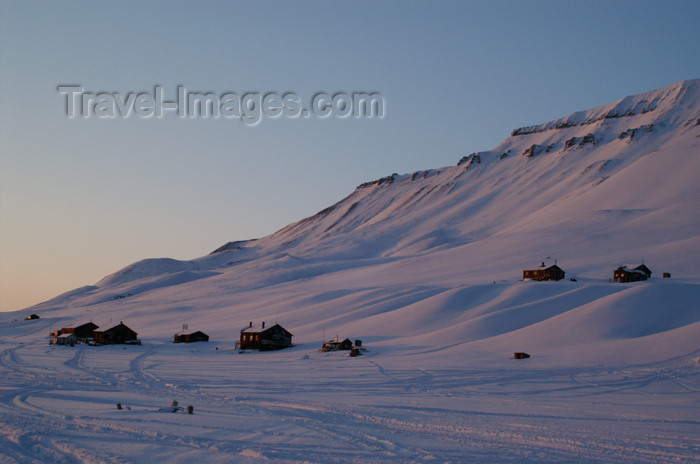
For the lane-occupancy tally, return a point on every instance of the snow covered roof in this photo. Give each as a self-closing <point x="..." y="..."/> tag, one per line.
<point x="261" y="328"/>
<point x="632" y="271"/>
<point x="637" y="268"/>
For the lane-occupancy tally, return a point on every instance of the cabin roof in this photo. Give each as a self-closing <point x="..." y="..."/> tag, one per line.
<point x="88" y="326"/>
<point x="259" y="329"/>
<point x="546" y="268"/>
<point x="635" y="268"/>
<point x="633" y="271"/>
<point x="120" y="326"/>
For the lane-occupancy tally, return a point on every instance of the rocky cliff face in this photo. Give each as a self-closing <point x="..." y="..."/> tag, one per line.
<point x="557" y="163"/>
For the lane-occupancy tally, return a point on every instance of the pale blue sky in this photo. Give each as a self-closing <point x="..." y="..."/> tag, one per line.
<point x="81" y="198"/>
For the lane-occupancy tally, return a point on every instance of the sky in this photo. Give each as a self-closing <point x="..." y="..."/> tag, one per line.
<point x="83" y="196"/>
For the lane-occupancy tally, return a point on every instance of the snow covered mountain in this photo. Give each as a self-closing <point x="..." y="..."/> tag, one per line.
<point x="434" y="259"/>
<point x="425" y="268"/>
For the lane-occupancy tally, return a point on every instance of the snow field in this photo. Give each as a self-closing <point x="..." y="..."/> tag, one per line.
<point x="438" y="385"/>
<point x="303" y="406"/>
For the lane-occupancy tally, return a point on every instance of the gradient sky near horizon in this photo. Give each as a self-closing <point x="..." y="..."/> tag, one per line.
<point x="81" y="198"/>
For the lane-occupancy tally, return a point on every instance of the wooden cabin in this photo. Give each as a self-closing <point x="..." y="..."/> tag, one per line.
<point x="335" y="345"/>
<point x="552" y="272"/>
<point x="264" y="338"/>
<point x="82" y="332"/>
<point x="118" y="334"/>
<point x="631" y="273"/>
<point x="197" y="336"/>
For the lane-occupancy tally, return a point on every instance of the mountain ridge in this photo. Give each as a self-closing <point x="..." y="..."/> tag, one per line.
<point x="566" y="142"/>
<point x="671" y="96"/>
<point x="365" y="209"/>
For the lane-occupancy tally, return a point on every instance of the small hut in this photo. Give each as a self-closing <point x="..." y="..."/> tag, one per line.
<point x="261" y="338"/>
<point x="197" y="336"/>
<point x="336" y="345"/>
<point x="82" y="332"/>
<point x="116" y="335"/>
<point x="631" y="273"/>
<point x="552" y="272"/>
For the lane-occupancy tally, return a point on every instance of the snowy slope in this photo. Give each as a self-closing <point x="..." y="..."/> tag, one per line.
<point x="593" y="190"/>
<point x="426" y="268"/>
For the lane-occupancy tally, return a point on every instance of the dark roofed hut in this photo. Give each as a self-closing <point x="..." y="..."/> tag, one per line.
<point x="631" y="273"/>
<point x="82" y="332"/>
<point x="197" y="336"/>
<point x="552" y="272"/>
<point x="335" y="345"/>
<point x="116" y="335"/>
<point x="260" y="338"/>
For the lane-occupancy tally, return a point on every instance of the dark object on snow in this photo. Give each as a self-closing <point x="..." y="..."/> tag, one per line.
<point x="119" y="406"/>
<point x="82" y="333"/>
<point x="335" y="345"/>
<point x="631" y="273"/>
<point x="58" y="338"/>
<point x="71" y="335"/>
<point x="552" y="272"/>
<point x="666" y="275"/>
<point x="345" y="345"/>
<point x="31" y="317"/>
<point x="520" y="355"/>
<point x="260" y="338"/>
<point x="190" y="409"/>
<point x="197" y="336"/>
<point x="118" y="334"/>
<point x="173" y="407"/>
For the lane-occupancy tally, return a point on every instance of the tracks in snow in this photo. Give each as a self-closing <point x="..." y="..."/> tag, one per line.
<point x="58" y="404"/>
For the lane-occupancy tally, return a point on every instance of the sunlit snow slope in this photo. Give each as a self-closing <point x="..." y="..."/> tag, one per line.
<point x="432" y="261"/>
